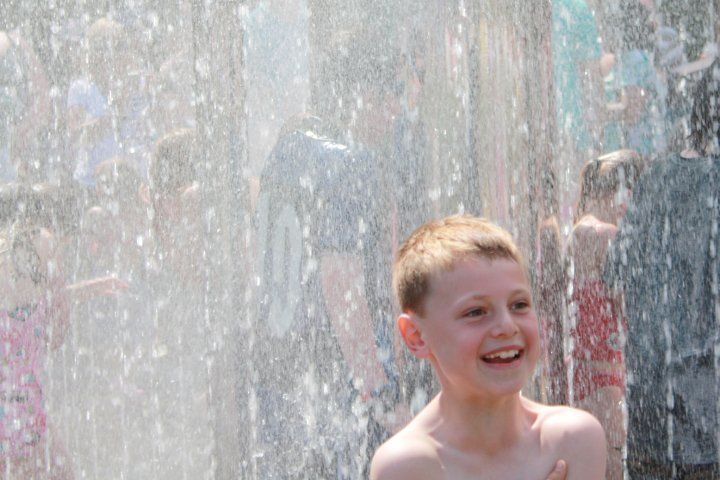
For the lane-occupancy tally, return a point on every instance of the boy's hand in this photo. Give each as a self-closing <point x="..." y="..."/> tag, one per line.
<point x="559" y="472"/>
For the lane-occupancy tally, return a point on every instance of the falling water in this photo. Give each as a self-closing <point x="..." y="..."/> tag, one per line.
<point x="247" y="170"/>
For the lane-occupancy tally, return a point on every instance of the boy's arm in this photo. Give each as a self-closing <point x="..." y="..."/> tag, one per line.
<point x="579" y="440"/>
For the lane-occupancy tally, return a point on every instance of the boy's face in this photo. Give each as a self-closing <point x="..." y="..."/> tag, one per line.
<point x="479" y="328"/>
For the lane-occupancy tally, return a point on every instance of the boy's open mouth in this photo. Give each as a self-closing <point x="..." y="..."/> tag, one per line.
<point x="504" y="356"/>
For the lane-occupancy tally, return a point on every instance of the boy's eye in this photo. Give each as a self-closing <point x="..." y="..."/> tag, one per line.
<point x="475" y="312"/>
<point x="521" y="305"/>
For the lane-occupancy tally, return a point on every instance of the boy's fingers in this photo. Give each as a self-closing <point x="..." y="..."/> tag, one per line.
<point x="559" y="472"/>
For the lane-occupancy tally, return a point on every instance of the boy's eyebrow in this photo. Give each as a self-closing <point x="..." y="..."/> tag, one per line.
<point x="479" y="296"/>
<point x="523" y="291"/>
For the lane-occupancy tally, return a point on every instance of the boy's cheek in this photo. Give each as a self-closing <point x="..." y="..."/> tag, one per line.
<point x="533" y="336"/>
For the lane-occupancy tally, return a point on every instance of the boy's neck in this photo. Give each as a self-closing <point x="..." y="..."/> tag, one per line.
<point x="482" y="425"/>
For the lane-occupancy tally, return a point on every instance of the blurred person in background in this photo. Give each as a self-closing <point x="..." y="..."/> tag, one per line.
<point x="704" y="50"/>
<point x="121" y="203"/>
<point x="180" y="361"/>
<point x="597" y="326"/>
<point x="112" y="336"/>
<point x="636" y="109"/>
<point x="338" y="363"/>
<point x="386" y="130"/>
<point x="34" y="317"/>
<point x="175" y="201"/>
<point x="579" y="66"/>
<point x="172" y="96"/>
<point x="320" y="350"/>
<point x="25" y="110"/>
<point x="669" y="56"/>
<point x="664" y="261"/>
<point x="354" y="231"/>
<point x="171" y="86"/>
<point x="107" y="108"/>
<point x="683" y="76"/>
<point x="578" y="81"/>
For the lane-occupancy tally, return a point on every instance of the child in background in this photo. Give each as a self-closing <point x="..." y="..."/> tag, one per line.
<point x="34" y="309"/>
<point x="597" y="329"/>
<point x="467" y="308"/>
<point x="111" y="377"/>
<point x="107" y="109"/>
<point x="116" y="227"/>
<point x="175" y="198"/>
<point x="181" y="349"/>
<point x="25" y="107"/>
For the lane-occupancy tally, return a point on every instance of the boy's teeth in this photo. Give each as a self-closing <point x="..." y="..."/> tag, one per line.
<point x="504" y="354"/>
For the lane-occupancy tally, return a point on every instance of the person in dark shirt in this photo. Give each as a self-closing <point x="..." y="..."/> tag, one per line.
<point x="321" y="352"/>
<point x="665" y="262"/>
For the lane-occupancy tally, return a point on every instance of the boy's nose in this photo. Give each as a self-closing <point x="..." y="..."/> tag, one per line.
<point x="504" y="325"/>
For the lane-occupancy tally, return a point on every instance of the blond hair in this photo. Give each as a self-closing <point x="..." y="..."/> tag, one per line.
<point x="438" y="246"/>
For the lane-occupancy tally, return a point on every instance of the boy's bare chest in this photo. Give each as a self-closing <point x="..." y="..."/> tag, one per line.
<point x="528" y="463"/>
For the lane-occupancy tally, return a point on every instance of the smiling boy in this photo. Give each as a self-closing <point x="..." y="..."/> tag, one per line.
<point x="467" y="308"/>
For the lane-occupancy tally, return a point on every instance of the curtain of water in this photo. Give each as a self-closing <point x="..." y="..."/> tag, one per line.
<point x="227" y="183"/>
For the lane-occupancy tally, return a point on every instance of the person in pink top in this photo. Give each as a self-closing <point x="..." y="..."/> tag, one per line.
<point x="34" y="311"/>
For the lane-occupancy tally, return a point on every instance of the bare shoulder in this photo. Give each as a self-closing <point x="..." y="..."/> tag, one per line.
<point x="575" y="436"/>
<point x="562" y="420"/>
<point x="606" y="231"/>
<point x="407" y="455"/>
<point x="590" y="227"/>
<point x="583" y="228"/>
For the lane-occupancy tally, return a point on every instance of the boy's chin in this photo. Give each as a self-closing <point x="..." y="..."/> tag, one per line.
<point x="506" y="390"/>
<point x="486" y="390"/>
<point x="506" y="387"/>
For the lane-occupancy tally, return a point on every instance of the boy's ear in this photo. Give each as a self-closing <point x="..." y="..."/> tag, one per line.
<point x="412" y="335"/>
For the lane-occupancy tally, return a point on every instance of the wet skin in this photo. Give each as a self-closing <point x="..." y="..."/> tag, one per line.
<point x="476" y="314"/>
<point x="479" y="329"/>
